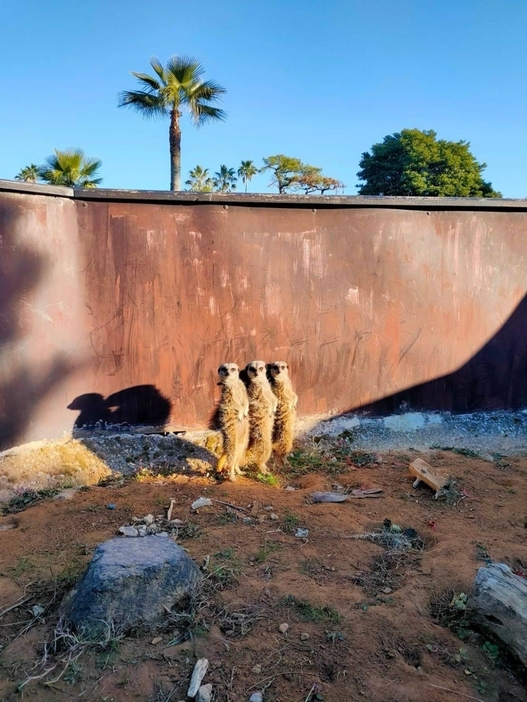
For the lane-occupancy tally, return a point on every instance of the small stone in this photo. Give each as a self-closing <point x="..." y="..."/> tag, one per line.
<point x="247" y="520"/>
<point x="162" y="533"/>
<point x="273" y="516"/>
<point x="290" y="488"/>
<point x="256" y="697"/>
<point x="304" y="636"/>
<point x="204" y="693"/>
<point x="387" y="590"/>
<point x="201" y="502"/>
<point x="177" y="522"/>
<point x="283" y="628"/>
<point x="257" y="669"/>
<point x="301" y="533"/>
<point x="110" y="506"/>
<point x="142" y="531"/>
<point x="128" y="531"/>
<point x="149" y="519"/>
<point x="156" y="640"/>
<point x="198" y="674"/>
<point x="37" y="610"/>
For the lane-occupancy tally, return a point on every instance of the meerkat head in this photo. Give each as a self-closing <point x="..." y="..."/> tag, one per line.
<point x="278" y="369"/>
<point x="228" y="370"/>
<point x="255" y="370"/>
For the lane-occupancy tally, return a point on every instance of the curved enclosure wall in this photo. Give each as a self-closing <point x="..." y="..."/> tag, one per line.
<point x="119" y="307"/>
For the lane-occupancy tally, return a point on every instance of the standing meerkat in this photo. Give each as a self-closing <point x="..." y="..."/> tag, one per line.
<point x="232" y="418"/>
<point x="262" y="406"/>
<point x="284" y="423"/>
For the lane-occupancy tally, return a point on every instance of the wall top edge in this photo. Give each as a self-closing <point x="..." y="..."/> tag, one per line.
<point x="264" y="199"/>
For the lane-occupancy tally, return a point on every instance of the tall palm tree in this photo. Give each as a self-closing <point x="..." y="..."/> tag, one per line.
<point x="199" y="180"/>
<point x="29" y="174"/>
<point x="177" y="87"/>
<point x="70" y="168"/>
<point x="247" y="171"/>
<point x="225" y="180"/>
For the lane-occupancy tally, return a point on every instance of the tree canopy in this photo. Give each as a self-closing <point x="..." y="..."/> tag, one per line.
<point x="291" y="174"/>
<point x="415" y="162"/>
<point x="199" y="180"/>
<point x="176" y="87"/>
<point x="29" y="174"/>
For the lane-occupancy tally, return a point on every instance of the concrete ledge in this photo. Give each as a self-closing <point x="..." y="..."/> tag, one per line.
<point x="267" y="199"/>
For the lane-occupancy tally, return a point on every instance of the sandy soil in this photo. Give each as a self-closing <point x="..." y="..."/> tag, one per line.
<point x="362" y="624"/>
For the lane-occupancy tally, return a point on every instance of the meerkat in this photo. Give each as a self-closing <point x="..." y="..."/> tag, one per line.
<point x="284" y="422"/>
<point x="232" y="418"/>
<point x="262" y="406"/>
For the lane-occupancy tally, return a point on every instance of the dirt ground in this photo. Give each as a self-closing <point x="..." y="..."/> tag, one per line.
<point x="364" y="622"/>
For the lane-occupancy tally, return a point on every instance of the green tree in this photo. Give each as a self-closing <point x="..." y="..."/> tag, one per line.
<point x="286" y="171"/>
<point x="313" y="181"/>
<point x="414" y="162"/>
<point x="246" y="172"/>
<point x="175" y="88"/>
<point x="29" y="174"/>
<point x="70" y="168"/>
<point x="199" y="180"/>
<point x="225" y="180"/>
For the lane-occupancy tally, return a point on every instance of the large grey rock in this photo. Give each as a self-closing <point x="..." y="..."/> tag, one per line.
<point x="131" y="582"/>
<point x="499" y="601"/>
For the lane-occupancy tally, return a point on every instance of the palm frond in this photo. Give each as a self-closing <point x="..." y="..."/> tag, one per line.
<point x="148" y="104"/>
<point x="202" y="113"/>
<point x="184" y="69"/>
<point x="158" y="68"/>
<point x="150" y="81"/>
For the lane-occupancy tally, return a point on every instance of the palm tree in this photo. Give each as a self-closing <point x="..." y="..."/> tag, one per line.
<point x="199" y="180"/>
<point x="247" y="171"/>
<point x="70" y="168"/>
<point x="225" y="180"/>
<point x="29" y="174"/>
<point x="178" y="86"/>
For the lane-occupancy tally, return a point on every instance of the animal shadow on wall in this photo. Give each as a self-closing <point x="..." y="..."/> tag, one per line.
<point x="140" y="405"/>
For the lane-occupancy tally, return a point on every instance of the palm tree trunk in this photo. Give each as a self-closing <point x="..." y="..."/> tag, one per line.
<point x="175" y="151"/>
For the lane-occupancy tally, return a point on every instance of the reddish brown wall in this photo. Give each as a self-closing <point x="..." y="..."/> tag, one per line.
<point x="367" y="302"/>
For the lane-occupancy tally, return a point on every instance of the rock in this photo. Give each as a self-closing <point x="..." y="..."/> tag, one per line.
<point x="405" y="422"/>
<point x="304" y="636"/>
<point x="273" y="516"/>
<point x="499" y="600"/>
<point x="201" y="502"/>
<point x="131" y="583"/>
<point x="301" y="533"/>
<point x="156" y="640"/>
<point x="328" y="497"/>
<point x="128" y="531"/>
<point x="200" y="669"/>
<point x="290" y="488"/>
<point x="204" y="693"/>
<point x="256" y="697"/>
<point x="177" y="522"/>
<point x="162" y="533"/>
<point x="110" y="506"/>
<point x="142" y="531"/>
<point x="149" y="519"/>
<point x="257" y="669"/>
<point x="387" y="590"/>
<point x="283" y="628"/>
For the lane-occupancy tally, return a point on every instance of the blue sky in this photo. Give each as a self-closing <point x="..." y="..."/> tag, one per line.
<point x="319" y="80"/>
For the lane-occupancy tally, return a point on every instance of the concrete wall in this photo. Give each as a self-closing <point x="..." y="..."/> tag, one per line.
<point x="120" y="304"/>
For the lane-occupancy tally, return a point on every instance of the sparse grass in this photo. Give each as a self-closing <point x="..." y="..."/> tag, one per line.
<point x="266" y="549"/>
<point x="268" y="479"/>
<point x="386" y="571"/>
<point x="290" y="523"/>
<point x="190" y="530"/>
<point x="468" y="453"/>
<point x="311" y="613"/>
<point x="52" y="464"/>
<point x="27" y="498"/>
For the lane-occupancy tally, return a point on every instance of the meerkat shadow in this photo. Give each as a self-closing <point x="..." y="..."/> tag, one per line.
<point x="140" y="405"/>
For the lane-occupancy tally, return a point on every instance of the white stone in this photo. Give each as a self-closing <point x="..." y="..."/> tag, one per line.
<point x="204" y="693"/>
<point x="256" y="697"/>
<point x="149" y="519"/>
<point x="128" y="531"/>
<point x="405" y="422"/>
<point x="201" y="502"/>
<point x="198" y="674"/>
<point x="283" y="628"/>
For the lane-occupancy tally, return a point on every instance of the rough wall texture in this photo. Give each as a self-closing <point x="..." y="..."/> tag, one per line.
<point x="117" y="307"/>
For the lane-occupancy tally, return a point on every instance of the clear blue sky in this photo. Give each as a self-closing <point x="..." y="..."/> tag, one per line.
<point x="321" y="80"/>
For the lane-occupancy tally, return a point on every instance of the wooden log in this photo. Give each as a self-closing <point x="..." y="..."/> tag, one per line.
<point x="426" y="474"/>
<point x="499" y="603"/>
